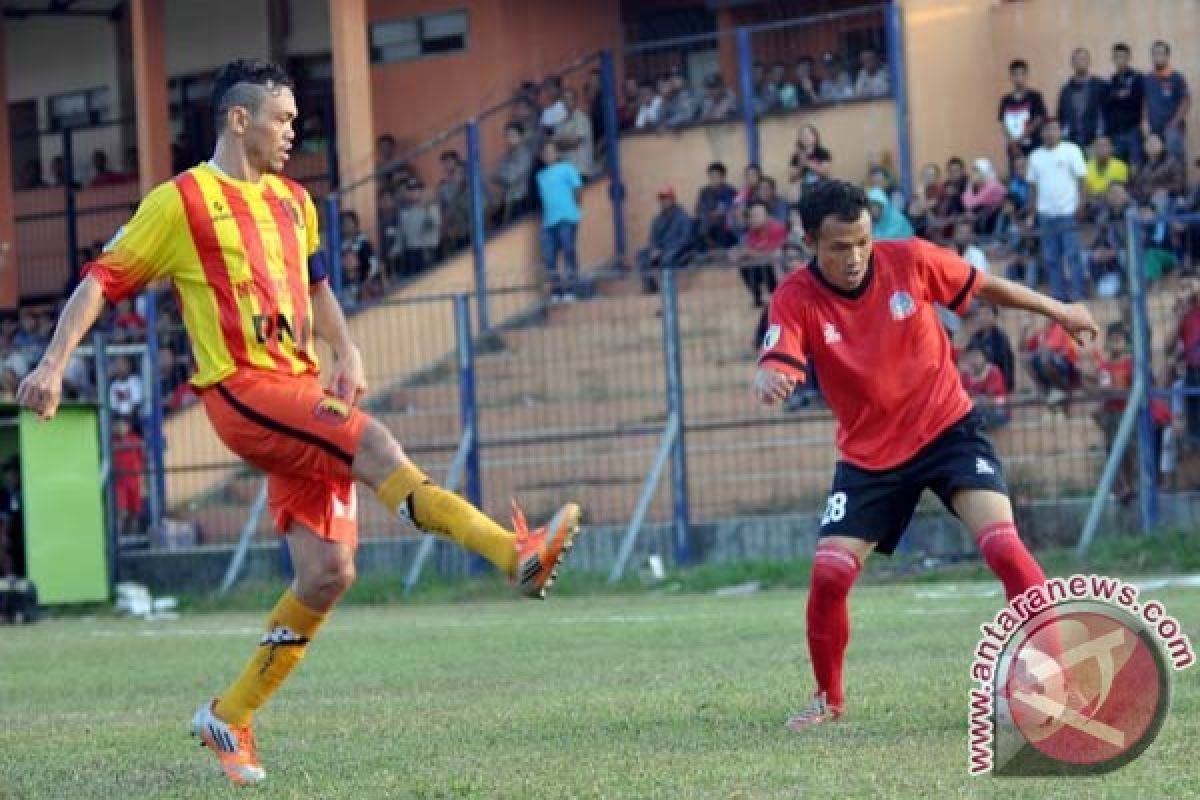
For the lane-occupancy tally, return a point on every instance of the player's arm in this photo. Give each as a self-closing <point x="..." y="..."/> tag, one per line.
<point x="781" y="362"/>
<point x="41" y="390"/>
<point x="1074" y="317"/>
<point x="348" y="379"/>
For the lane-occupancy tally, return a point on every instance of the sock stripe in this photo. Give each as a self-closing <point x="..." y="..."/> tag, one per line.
<point x="837" y="557"/>
<point x="991" y="531"/>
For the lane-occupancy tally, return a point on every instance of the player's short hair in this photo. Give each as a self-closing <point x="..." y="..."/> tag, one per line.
<point x="831" y="198"/>
<point x="246" y="82"/>
<point x="1018" y="63"/>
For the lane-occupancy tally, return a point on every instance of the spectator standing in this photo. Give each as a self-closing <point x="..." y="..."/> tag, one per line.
<point x="759" y="253"/>
<point x="720" y="102"/>
<point x="1161" y="172"/>
<point x="1123" y="105"/>
<point x="1167" y="102"/>
<point x="811" y="163"/>
<point x="984" y="382"/>
<point x="1022" y="112"/>
<point x="713" y="205"/>
<point x="454" y="200"/>
<point x="1056" y="178"/>
<point x="125" y="393"/>
<point x="129" y="469"/>
<point x="1113" y="375"/>
<point x="872" y="78"/>
<point x="365" y="279"/>
<point x="671" y="236"/>
<point x="1187" y="352"/>
<point x="574" y="135"/>
<point x="420" y="228"/>
<point x="510" y="179"/>
<point x="559" y="186"/>
<point x="1081" y="101"/>
<point x="1107" y="256"/>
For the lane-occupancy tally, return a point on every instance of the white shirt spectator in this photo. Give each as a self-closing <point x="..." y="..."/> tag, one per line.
<point x="869" y="85"/>
<point x="578" y="126"/>
<point x="647" y="116"/>
<point x="554" y="115"/>
<point x="1056" y="174"/>
<point x="125" y="395"/>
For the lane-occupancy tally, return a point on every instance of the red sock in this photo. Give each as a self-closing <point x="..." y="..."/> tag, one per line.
<point x="834" y="571"/>
<point x="1005" y="553"/>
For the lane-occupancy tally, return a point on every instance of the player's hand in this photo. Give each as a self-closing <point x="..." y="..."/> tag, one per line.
<point x="772" y="388"/>
<point x="349" y="379"/>
<point x="1077" y="321"/>
<point x="41" y="390"/>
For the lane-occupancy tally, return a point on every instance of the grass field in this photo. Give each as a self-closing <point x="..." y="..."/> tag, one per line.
<point x="642" y="696"/>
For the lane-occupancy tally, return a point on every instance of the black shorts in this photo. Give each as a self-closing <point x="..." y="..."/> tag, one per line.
<point x="877" y="506"/>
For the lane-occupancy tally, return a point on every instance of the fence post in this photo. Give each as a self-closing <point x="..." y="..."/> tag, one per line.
<point x="1147" y="468"/>
<point x="68" y="156"/>
<point x="679" y="482"/>
<point x="478" y="231"/>
<point x="331" y="145"/>
<point x="612" y="137"/>
<point x="104" y="412"/>
<point x="333" y="242"/>
<point x="745" y="56"/>
<point x="898" y="77"/>
<point x="468" y="410"/>
<point x="152" y="389"/>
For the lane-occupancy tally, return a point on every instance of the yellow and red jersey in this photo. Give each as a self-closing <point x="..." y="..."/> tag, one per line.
<point x="237" y="254"/>
<point x="882" y="357"/>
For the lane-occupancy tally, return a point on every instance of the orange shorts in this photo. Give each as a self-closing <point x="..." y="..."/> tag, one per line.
<point x="302" y="437"/>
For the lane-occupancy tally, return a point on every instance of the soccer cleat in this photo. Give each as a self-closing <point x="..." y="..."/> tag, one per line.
<point x="233" y="745"/>
<point x="539" y="552"/>
<point x="816" y="713"/>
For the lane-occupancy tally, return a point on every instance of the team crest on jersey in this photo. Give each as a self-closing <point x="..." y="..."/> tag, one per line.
<point x="902" y="305"/>
<point x="832" y="334"/>
<point x="297" y="217"/>
<point x="332" y="410"/>
<point x="772" y="337"/>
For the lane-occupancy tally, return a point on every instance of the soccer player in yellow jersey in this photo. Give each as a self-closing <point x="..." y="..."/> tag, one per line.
<point x="239" y="243"/>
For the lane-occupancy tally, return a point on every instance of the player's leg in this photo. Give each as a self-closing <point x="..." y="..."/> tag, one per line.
<point x="988" y="515"/>
<point x="532" y="558"/>
<point x="864" y="511"/>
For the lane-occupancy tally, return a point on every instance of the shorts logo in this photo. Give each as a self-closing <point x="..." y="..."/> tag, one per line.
<point x="982" y="467"/>
<point x="772" y="337"/>
<point x="832" y="335"/>
<point x="332" y="410"/>
<point x="902" y="306"/>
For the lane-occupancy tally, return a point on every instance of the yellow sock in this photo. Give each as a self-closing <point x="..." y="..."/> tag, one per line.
<point x="436" y="510"/>
<point x="290" y="628"/>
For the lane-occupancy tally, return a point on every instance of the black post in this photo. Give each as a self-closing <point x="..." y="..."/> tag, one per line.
<point x="72" y="219"/>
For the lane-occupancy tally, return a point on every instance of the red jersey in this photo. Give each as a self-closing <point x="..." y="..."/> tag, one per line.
<point x="129" y="458"/>
<point x="1189" y="333"/>
<point x="1115" y="376"/>
<point x="767" y="239"/>
<point x="989" y="384"/>
<point x="885" y="365"/>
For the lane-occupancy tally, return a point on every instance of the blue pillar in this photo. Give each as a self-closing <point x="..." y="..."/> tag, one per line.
<point x="612" y="136"/>
<point x="154" y="441"/>
<point x="478" y="232"/>
<point x="898" y="77"/>
<point x="333" y="241"/>
<point x="680" y="515"/>
<point x="745" y="54"/>
<point x="468" y="410"/>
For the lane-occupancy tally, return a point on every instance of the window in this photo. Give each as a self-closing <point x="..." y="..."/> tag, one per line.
<point x="78" y="109"/>
<point x="431" y="34"/>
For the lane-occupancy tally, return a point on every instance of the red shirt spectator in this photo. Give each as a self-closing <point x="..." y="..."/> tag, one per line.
<point x="989" y="383"/>
<point x="1114" y="375"/>
<point x="129" y="464"/>
<point x="769" y="238"/>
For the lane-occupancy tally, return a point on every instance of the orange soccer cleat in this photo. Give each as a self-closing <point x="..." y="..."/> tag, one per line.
<point x="818" y="712"/>
<point x="539" y="552"/>
<point x="233" y="744"/>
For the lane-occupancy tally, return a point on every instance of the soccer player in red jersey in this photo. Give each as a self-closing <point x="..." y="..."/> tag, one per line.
<point x="862" y="314"/>
<point x="239" y="244"/>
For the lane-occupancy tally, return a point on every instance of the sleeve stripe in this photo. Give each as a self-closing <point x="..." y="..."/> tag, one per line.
<point x="965" y="292"/>
<point x="784" y="358"/>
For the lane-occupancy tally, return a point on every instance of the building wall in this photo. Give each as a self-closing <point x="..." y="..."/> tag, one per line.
<point x="309" y="27"/>
<point x="201" y="36"/>
<point x="507" y="42"/>
<point x="959" y="50"/>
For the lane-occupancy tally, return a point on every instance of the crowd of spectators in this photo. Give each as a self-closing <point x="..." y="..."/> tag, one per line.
<point x="99" y="175"/>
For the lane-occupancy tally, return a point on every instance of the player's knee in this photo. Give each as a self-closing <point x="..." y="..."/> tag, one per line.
<point x="378" y="453"/>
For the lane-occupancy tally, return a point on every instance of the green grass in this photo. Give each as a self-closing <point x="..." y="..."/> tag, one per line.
<point x="602" y="696"/>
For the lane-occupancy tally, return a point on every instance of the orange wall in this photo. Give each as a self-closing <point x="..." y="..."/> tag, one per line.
<point x="959" y="50"/>
<point x="679" y="160"/>
<point x="508" y="41"/>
